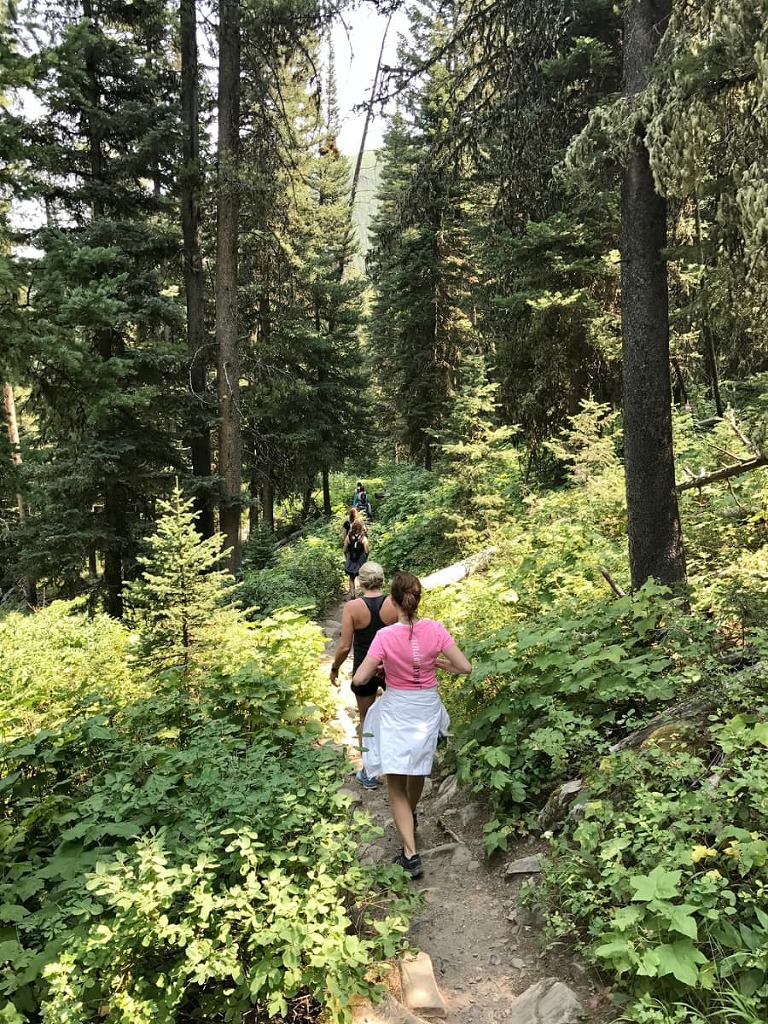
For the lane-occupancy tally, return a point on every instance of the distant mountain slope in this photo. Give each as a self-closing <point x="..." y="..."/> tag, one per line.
<point x="366" y="200"/>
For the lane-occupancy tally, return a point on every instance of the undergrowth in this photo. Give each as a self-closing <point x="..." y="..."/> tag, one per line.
<point x="187" y="854"/>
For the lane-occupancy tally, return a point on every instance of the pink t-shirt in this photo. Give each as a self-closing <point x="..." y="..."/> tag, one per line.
<point x="409" y="652"/>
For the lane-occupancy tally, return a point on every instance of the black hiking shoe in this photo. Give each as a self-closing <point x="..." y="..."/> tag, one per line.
<point x="411" y="865"/>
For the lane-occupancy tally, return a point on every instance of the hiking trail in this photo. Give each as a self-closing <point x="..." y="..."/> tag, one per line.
<point x="488" y="954"/>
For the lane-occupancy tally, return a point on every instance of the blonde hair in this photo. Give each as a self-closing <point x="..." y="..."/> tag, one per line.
<point x="371" y="575"/>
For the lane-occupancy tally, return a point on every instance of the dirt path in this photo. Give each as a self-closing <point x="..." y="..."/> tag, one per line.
<point x="485" y="949"/>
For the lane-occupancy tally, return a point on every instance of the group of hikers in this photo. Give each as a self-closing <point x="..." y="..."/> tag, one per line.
<point x="356" y="535"/>
<point x="395" y="657"/>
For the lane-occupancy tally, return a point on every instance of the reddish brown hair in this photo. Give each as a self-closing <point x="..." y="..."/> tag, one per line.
<point x="406" y="591"/>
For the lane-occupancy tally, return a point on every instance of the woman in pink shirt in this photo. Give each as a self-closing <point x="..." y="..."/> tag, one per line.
<point x="402" y="727"/>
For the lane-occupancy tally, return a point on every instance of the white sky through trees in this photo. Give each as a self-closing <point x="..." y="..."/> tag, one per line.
<point x="357" y="51"/>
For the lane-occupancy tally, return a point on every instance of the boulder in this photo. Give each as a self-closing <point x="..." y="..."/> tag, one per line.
<point x="555" y="809"/>
<point x="446" y="794"/>
<point x="547" y="1002"/>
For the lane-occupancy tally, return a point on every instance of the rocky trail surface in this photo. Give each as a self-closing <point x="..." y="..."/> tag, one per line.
<point x="483" y="958"/>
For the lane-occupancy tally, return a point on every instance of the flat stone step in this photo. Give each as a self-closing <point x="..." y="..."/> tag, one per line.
<point x="420" y="991"/>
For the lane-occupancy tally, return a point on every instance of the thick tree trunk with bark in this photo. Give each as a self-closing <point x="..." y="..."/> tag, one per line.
<point x="655" y="538"/>
<point x="190" y="183"/>
<point x="230" y="460"/>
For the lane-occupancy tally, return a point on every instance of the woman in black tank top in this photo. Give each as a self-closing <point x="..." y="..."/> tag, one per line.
<point x="364" y="636"/>
<point x="361" y="620"/>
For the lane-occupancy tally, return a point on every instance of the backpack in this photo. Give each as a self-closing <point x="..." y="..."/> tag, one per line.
<point x="355" y="549"/>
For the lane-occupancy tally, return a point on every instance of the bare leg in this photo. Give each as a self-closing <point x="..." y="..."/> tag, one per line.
<point x="402" y="812"/>
<point x="363" y="703"/>
<point x="414" y="788"/>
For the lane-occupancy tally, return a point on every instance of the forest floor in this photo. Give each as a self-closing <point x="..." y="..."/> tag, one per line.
<point x="486" y="949"/>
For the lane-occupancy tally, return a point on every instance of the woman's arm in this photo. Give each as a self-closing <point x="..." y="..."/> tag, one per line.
<point x="345" y="641"/>
<point x="366" y="670"/>
<point x="453" y="660"/>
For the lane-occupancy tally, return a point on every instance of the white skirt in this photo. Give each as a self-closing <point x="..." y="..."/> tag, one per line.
<point x="401" y="730"/>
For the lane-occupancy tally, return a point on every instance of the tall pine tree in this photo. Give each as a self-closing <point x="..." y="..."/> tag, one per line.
<point x="101" y="357"/>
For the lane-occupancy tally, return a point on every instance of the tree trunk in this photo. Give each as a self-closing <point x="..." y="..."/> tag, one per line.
<point x="655" y="538"/>
<point x="707" y="334"/>
<point x="13" y="437"/>
<point x="254" y="507"/>
<point x="327" y="509"/>
<point x="306" y="503"/>
<point x="230" y="462"/>
<point x="726" y="473"/>
<point x="368" y="116"/>
<point x="114" y="512"/>
<point x="190" y="183"/>
<point x="108" y="344"/>
<point x="268" y="506"/>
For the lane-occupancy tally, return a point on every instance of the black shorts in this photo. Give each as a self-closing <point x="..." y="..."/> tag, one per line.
<point x="371" y="688"/>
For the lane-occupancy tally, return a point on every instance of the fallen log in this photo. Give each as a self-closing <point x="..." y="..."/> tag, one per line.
<point x="459" y="570"/>
<point x="692" y="708"/>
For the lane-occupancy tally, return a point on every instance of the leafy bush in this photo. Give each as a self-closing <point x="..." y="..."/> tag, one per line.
<point x="186" y="859"/>
<point x="545" y="697"/>
<point x="663" y="874"/>
<point x="414" y="522"/>
<point x="290" y="646"/>
<point x="305" y="574"/>
<point x="57" y="662"/>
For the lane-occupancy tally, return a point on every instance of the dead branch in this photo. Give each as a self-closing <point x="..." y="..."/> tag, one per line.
<point x="611" y="582"/>
<point x="739" y="432"/>
<point x="723" y="474"/>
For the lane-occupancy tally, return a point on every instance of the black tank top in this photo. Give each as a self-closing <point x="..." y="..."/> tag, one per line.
<point x="363" y="638"/>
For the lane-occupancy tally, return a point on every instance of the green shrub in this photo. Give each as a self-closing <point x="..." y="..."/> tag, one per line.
<point x="57" y="662"/>
<point x="663" y="874"/>
<point x="305" y="574"/>
<point x="178" y="603"/>
<point x="545" y="697"/>
<point x="260" y="550"/>
<point x="187" y="859"/>
<point x="290" y="647"/>
<point x="414" y="522"/>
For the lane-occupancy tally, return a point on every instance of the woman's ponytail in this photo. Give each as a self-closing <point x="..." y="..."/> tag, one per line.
<point x="406" y="592"/>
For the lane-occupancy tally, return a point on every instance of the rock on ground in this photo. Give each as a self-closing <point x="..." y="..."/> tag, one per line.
<point x="547" y="1002"/>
